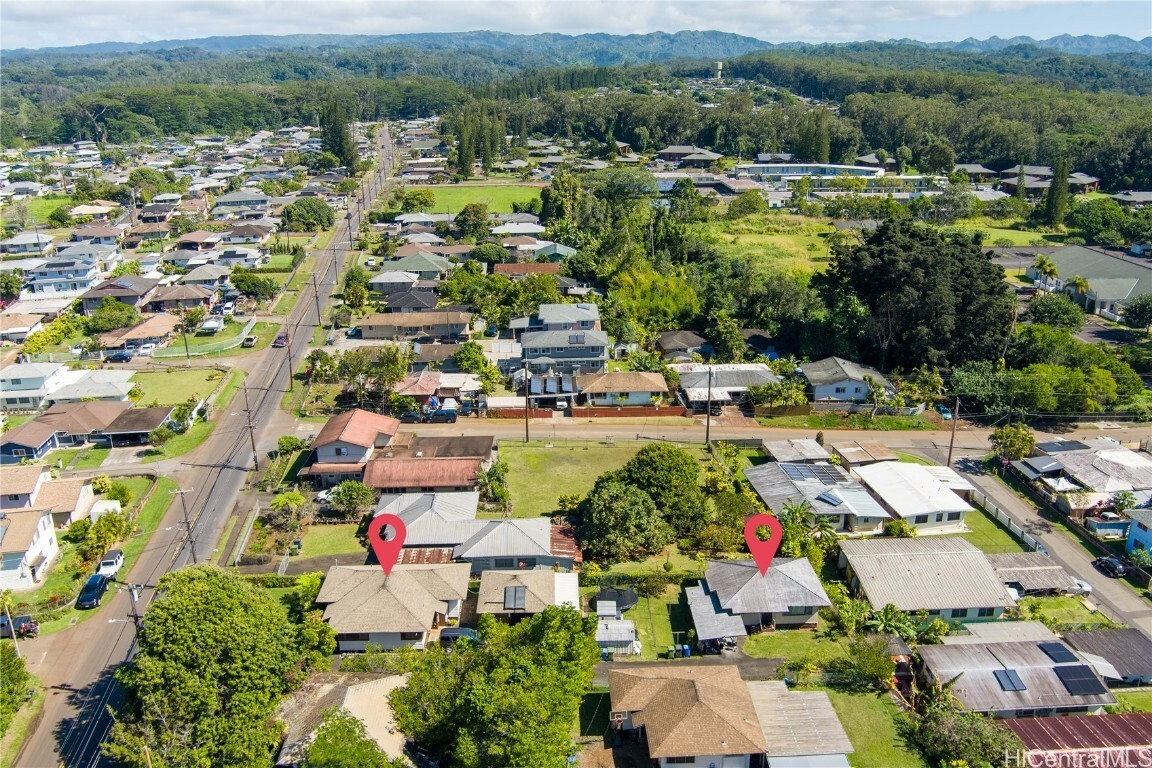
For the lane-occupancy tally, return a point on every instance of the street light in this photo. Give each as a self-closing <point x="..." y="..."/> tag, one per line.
<point x="527" y="376"/>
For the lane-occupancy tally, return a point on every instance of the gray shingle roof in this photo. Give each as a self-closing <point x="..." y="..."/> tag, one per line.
<point x="833" y="369"/>
<point x="568" y="313"/>
<point x="564" y="339"/>
<point x="1129" y="651"/>
<point x="788" y="583"/>
<point x="508" y="538"/>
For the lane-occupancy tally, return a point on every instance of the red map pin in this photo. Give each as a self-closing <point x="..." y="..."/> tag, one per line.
<point x="387" y="550"/>
<point x="763" y="551"/>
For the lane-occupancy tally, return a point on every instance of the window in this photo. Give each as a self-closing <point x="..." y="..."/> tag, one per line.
<point x="17" y="381"/>
<point x="411" y="635"/>
<point x="954" y="515"/>
<point x="361" y="636"/>
<point x="13" y="497"/>
<point x="799" y="610"/>
<point x="504" y="562"/>
<point x="859" y="390"/>
<point x="527" y="563"/>
<point x="985" y="613"/>
<point x="959" y="613"/>
<point x="933" y="612"/>
<point x="341" y="451"/>
<point x="920" y="519"/>
<point x="841" y="390"/>
<point x="679" y="761"/>
<point x="939" y="517"/>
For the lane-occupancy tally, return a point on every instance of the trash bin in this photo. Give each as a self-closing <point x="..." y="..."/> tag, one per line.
<point x="687" y="651"/>
<point x="678" y="651"/>
<point x="671" y="652"/>
<point x="611" y="656"/>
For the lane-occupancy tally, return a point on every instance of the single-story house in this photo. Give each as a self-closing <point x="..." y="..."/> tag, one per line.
<point x="133" y="426"/>
<point x="153" y="329"/>
<point x="828" y="489"/>
<point x="1032" y="573"/>
<point x="417" y="324"/>
<point x="519" y="545"/>
<point x="621" y="388"/>
<point x="799" y="450"/>
<point x="929" y="498"/>
<point x="801" y="728"/>
<point x="682" y="345"/>
<point x="944" y="575"/>
<point x="62" y="424"/>
<point x="29" y="441"/>
<point x="1127" y="651"/>
<point x="788" y="594"/>
<point x="15" y="326"/>
<point x="1140" y="530"/>
<point x="416" y="475"/>
<point x="1066" y="742"/>
<point x="688" y="714"/>
<point x="720" y="383"/>
<point x="105" y="385"/>
<point x="512" y="595"/>
<point x="432" y="519"/>
<point x="857" y="453"/>
<point x="177" y="298"/>
<point x="210" y="276"/>
<point x="835" y="378"/>
<point x="391" y="281"/>
<point x="402" y="609"/>
<point x="1017" y="679"/>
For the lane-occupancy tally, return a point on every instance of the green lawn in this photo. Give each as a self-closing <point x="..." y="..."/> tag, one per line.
<point x="92" y="458"/>
<point x="281" y="596"/>
<point x="1139" y="701"/>
<point x="794" y="644"/>
<point x="303" y="274"/>
<point x="182" y="443"/>
<point x="772" y="243"/>
<point x="847" y="421"/>
<point x="989" y="535"/>
<point x="23" y="721"/>
<point x="569" y="468"/>
<point x="279" y="261"/>
<point x="870" y="722"/>
<point x="264" y="333"/>
<point x="1065" y="610"/>
<point x="339" y="539"/>
<point x="498" y="197"/>
<point x="63" y="456"/>
<point x="655" y="563"/>
<point x="197" y="341"/>
<point x="177" y="385"/>
<point x="228" y="391"/>
<point x="661" y="621"/>
<point x="285" y="304"/>
<point x="16" y="419"/>
<point x="40" y="207"/>
<point x="594" y="709"/>
<point x="908" y="458"/>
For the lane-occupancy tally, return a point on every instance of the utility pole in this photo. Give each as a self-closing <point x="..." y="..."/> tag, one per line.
<point x="251" y="430"/>
<point x="708" y="416"/>
<point x="291" y="367"/>
<point x="187" y="523"/>
<point x="12" y="629"/>
<point x="952" y="440"/>
<point x="527" y="377"/>
<point x="316" y="296"/>
<point x="134" y="595"/>
<point x="184" y="331"/>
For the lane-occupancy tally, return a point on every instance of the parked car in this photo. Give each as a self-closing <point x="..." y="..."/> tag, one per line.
<point x="716" y="409"/>
<point x="325" y="496"/>
<point x="281" y="340"/>
<point x="119" y="357"/>
<point x="229" y="308"/>
<point x="93" y="593"/>
<point x="111" y="563"/>
<point x="944" y="411"/>
<point x="411" y="417"/>
<point x="449" y="636"/>
<point x="561" y="405"/>
<point x="370" y="262"/>
<point x="442" y="417"/>
<point x="249" y="341"/>
<point x="18" y="624"/>
<point x="353" y="333"/>
<point x="146" y="350"/>
<point x="1110" y="567"/>
<point x="1082" y="588"/>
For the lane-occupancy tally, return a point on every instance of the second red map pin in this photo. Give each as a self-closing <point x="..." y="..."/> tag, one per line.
<point x="763" y="551"/>
<point x="387" y="549"/>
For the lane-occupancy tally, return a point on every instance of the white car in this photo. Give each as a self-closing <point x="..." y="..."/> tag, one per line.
<point x="146" y="350"/>
<point x="1082" y="588"/>
<point x="110" y="564"/>
<point x="229" y="308"/>
<point x="325" y="496"/>
<point x="370" y="262"/>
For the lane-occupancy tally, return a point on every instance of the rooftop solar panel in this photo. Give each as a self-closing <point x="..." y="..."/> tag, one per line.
<point x="823" y="473"/>
<point x="1009" y="679"/>
<point x="1080" y="680"/>
<point x="1058" y="652"/>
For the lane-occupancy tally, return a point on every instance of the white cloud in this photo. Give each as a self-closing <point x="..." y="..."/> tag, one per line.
<point x="39" y="23"/>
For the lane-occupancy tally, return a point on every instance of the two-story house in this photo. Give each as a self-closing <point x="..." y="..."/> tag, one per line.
<point x="565" y="351"/>
<point x="27" y="538"/>
<point x="558" y="317"/>
<point x="348" y="441"/>
<point x="97" y="234"/>
<point x="61" y="277"/>
<point x="1140" y="531"/>
<point x="104" y="257"/>
<point x="132" y="290"/>
<point x="242" y="203"/>
<point x="25" y="386"/>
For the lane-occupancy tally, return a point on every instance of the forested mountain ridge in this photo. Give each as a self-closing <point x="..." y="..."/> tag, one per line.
<point x="654" y="46"/>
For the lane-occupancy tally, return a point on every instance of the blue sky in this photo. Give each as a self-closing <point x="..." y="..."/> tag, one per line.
<point x="40" y="23"/>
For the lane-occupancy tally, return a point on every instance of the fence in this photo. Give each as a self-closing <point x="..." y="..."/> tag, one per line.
<point x="1002" y="517"/>
<point x="242" y="544"/>
<point x="841" y="407"/>
<point x="176" y="349"/>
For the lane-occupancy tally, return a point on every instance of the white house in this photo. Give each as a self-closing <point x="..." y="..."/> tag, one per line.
<point x="28" y="546"/>
<point x="25" y="386"/>
<point x="834" y="378"/>
<point x="622" y="388"/>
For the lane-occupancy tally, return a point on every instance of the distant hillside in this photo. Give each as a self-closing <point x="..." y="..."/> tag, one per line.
<point x="598" y="49"/>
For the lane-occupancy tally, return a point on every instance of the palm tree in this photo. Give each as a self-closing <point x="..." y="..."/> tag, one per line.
<point x="1046" y="268"/>
<point x="823" y="529"/>
<point x="1079" y="287"/>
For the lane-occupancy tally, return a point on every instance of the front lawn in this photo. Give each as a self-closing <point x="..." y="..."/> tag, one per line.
<point x="989" y="535"/>
<point x="92" y="458"/>
<point x="181" y="443"/>
<point x="335" y="539"/>
<point x="1138" y="701"/>
<point x="199" y="341"/>
<point x="847" y="421"/>
<point x="1066" y="611"/>
<point x="793" y="644"/>
<point x="594" y="710"/>
<point x="568" y="468"/>
<point x="264" y="333"/>
<point x="176" y="385"/>
<point x="498" y="197"/>
<point x="870" y="720"/>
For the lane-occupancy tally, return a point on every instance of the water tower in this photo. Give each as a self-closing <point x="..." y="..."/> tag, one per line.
<point x="719" y="70"/>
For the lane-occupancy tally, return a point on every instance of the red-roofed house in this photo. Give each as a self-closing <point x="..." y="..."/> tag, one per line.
<point x="347" y="441"/>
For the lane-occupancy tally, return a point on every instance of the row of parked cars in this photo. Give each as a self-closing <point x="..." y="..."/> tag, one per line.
<point x="91" y="595"/>
<point x="439" y="416"/>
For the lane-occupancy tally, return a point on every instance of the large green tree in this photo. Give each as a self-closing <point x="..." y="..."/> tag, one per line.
<point x="506" y="702"/>
<point x="1057" y="310"/>
<point x="13" y="685"/>
<point x="342" y="741"/>
<point x="334" y="133"/>
<point x="670" y="475"/>
<point x="929" y="298"/>
<point x="621" y="522"/>
<point x="307" y="214"/>
<point x="112" y="314"/>
<point x="216" y="653"/>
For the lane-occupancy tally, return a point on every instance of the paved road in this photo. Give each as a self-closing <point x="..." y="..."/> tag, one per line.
<point x="76" y="665"/>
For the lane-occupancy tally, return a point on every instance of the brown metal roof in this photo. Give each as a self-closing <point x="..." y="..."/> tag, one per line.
<point x="422" y="473"/>
<point x="527" y="268"/>
<point x="1126" y="649"/>
<point x="425" y="555"/>
<point x="563" y="542"/>
<point x="356" y="427"/>
<point x="1086" y="732"/>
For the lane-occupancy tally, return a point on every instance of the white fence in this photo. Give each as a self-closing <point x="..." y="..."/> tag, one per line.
<point x="1017" y="532"/>
<point x="846" y="407"/>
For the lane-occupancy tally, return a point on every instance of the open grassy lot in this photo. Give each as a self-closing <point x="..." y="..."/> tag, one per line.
<point x="661" y="621"/>
<point x="196" y="341"/>
<point x="40" y="207"/>
<point x="450" y="198"/>
<point x="568" y="467"/>
<point x="989" y="535"/>
<point x="995" y="229"/>
<point x="774" y="242"/>
<point x="339" y="539"/>
<point x="869" y="719"/>
<point x="264" y="333"/>
<point x="1065" y="610"/>
<point x="177" y="385"/>
<point x="182" y="443"/>
<point x="1139" y="701"/>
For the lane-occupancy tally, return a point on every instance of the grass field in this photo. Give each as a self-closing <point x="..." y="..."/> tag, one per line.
<point x="796" y="643"/>
<point x="450" y="198"/>
<point x="228" y="391"/>
<point x="321" y="540"/>
<point x="92" y="459"/>
<point x="1065" y="610"/>
<point x="196" y="341"/>
<point x="774" y="242"/>
<point x="995" y="229"/>
<point x="661" y="621"/>
<point x="176" y="386"/>
<point x="285" y="304"/>
<point x="870" y="722"/>
<point x="181" y="444"/>
<point x="40" y="207"/>
<point x="656" y="562"/>
<point x="848" y="421"/>
<point x="570" y="468"/>
<point x="1139" y="701"/>
<point x="264" y="333"/>
<point x="989" y="535"/>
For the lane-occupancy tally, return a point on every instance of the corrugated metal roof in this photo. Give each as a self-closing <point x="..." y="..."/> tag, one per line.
<point x="1032" y="571"/>
<point x="1129" y="650"/>
<point x="799" y="449"/>
<point x="709" y="618"/>
<point x="508" y="538"/>
<point x="774" y="487"/>
<point x="938" y="573"/>
<point x="797" y="723"/>
<point x="1050" y="734"/>
<point x="910" y="489"/>
<point x="433" y="519"/>
<point x="786" y="584"/>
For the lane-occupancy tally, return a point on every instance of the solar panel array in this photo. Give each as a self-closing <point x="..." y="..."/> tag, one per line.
<point x="1058" y="652"/>
<point x="1080" y="680"/>
<point x="1009" y="679"/>
<point x="824" y="473"/>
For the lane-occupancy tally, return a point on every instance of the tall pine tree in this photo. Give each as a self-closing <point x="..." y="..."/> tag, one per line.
<point x="334" y="134"/>
<point x="1056" y="201"/>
